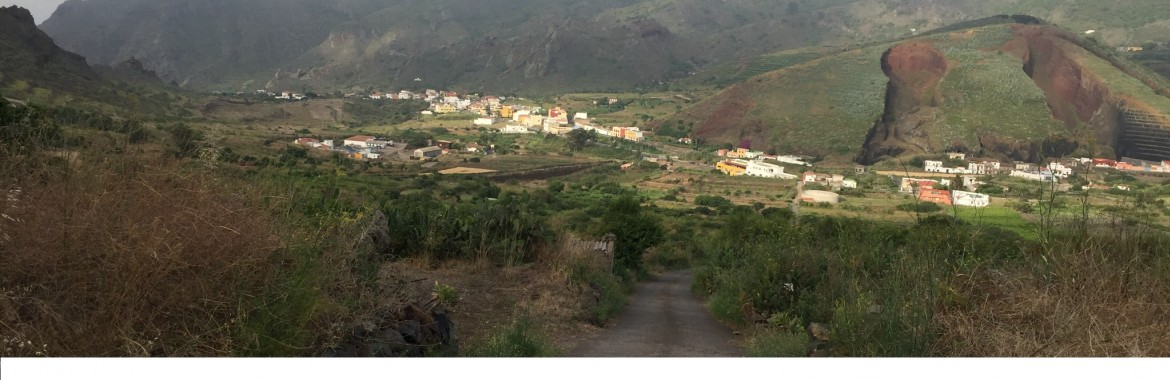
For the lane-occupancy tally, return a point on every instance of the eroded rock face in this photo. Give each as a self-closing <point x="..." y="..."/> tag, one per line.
<point x="1076" y="96"/>
<point x="915" y="70"/>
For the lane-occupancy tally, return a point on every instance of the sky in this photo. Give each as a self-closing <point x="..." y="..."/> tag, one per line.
<point x="41" y="9"/>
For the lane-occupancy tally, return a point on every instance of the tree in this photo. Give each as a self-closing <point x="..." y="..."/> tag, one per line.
<point x="634" y="230"/>
<point x="580" y="138"/>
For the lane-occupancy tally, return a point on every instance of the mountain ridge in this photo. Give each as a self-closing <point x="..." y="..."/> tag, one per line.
<point x="506" y="46"/>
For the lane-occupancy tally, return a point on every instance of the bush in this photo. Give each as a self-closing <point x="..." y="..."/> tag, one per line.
<point x="713" y="201"/>
<point x="920" y="207"/>
<point x="778" y="343"/>
<point x="518" y="339"/>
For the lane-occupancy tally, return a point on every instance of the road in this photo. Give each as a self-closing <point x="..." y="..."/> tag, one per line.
<point x="663" y="319"/>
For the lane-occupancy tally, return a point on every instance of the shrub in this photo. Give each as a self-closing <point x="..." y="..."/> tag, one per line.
<point x="920" y="207"/>
<point x="518" y="339"/>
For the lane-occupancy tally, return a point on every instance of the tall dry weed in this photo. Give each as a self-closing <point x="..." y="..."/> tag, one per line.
<point x="123" y="256"/>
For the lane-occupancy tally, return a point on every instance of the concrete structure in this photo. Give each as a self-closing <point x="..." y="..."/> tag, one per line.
<point x="967" y="199"/>
<point x="1039" y="175"/>
<point x="817" y="196"/>
<point x="937" y="167"/>
<point x="732" y="167"/>
<point x="760" y="169"/>
<point x="1059" y="170"/>
<point x="628" y="133"/>
<point x="428" y="152"/>
<point x="516" y="130"/>
<point x="359" y="141"/>
<point x="484" y="121"/>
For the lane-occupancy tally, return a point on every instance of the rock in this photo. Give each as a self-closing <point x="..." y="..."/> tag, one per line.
<point x="411" y="330"/>
<point x="390" y="344"/>
<point x="818" y="340"/>
<point x="445" y="327"/>
<point x="377" y="233"/>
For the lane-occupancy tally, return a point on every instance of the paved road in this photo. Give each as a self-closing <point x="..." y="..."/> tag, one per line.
<point x="663" y="319"/>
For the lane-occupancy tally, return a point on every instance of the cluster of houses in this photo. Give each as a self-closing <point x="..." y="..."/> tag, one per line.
<point x="284" y="95"/>
<point x="930" y="190"/>
<point x="748" y="154"/>
<point x="832" y="181"/>
<point x="371" y="148"/>
<point x="557" y="122"/>
<point x="744" y="162"/>
<point x="753" y="168"/>
<point x="1053" y="172"/>
<point x="1129" y="165"/>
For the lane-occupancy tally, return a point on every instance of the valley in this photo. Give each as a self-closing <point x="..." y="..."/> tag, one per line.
<point x="449" y="179"/>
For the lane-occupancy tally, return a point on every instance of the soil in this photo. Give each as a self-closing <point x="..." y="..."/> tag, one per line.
<point x="462" y="170"/>
<point x="663" y="319"/>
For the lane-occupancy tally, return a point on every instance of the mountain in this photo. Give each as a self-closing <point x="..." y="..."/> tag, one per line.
<point x="1005" y="86"/>
<point x="33" y="68"/>
<point x="532" y="46"/>
<point x="30" y="57"/>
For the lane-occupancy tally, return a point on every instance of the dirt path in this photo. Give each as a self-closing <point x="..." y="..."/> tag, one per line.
<point x="663" y="319"/>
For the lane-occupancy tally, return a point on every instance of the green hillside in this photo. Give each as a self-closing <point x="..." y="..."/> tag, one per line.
<point x="827" y="104"/>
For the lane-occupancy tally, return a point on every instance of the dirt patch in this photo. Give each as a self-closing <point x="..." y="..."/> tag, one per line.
<point x="463" y="170"/>
<point x="1074" y="94"/>
<point x="491" y="297"/>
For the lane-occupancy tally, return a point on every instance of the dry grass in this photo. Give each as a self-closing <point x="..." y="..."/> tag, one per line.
<point x="1097" y="297"/>
<point x="126" y="259"/>
<point x="491" y="297"/>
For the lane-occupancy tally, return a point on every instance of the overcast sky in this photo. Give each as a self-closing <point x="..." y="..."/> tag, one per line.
<point x="41" y="9"/>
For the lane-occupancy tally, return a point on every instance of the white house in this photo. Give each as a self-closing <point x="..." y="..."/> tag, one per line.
<point x="515" y="130"/>
<point x="849" y="184"/>
<point x="760" y="169"/>
<point x="967" y="199"/>
<point x="957" y="156"/>
<point x="484" y="121"/>
<point x="359" y="141"/>
<point x="581" y="116"/>
<point x="792" y="160"/>
<point x="937" y="167"/>
<point x="1039" y="175"/>
<point x="1059" y="170"/>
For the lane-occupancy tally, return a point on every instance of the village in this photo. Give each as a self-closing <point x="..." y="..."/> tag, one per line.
<point x="487" y="111"/>
<point x="933" y="187"/>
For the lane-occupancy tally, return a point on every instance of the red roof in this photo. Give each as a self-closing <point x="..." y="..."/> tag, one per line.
<point x="360" y="138"/>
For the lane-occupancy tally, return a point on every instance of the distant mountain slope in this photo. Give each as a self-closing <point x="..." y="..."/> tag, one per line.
<point x="33" y="68"/>
<point x="514" y="45"/>
<point x="1015" y="90"/>
<point x="28" y="54"/>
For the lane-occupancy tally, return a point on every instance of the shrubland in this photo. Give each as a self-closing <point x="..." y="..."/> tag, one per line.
<point x="940" y="287"/>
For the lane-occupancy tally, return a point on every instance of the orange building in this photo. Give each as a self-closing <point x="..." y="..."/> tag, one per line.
<point x="935" y="196"/>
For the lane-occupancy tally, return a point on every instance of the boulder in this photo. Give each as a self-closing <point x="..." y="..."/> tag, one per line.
<point x="818" y="340"/>
<point x="412" y="331"/>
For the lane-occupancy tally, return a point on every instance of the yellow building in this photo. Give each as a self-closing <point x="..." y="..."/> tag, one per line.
<point x="506" y="112"/>
<point x="445" y="108"/>
<point x="731" y="168"/>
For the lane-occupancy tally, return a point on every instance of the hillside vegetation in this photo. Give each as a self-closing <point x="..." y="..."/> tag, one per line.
<point x="999" y="89"/>
<point x="515" y="46"/>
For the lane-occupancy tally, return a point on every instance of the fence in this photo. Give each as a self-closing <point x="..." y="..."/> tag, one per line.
<point x="603" y="247"/>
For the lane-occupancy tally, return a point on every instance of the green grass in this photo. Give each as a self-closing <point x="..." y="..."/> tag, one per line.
<point x="1000" y="217"/>
<point x="518" y="339"/>
<point x="777" y="343"/>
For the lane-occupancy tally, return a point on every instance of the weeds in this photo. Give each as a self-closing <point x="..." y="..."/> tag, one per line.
<point x="518" y="339"/>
